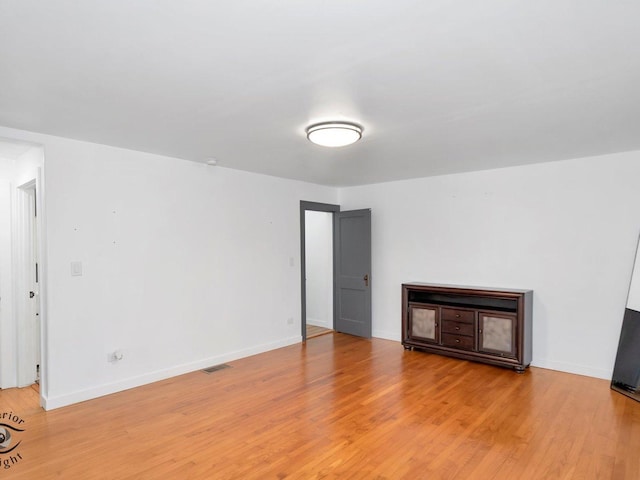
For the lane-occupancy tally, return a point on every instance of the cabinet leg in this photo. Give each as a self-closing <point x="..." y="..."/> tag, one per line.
<point x="408" y="347"/>
<point x="520" y="370"/>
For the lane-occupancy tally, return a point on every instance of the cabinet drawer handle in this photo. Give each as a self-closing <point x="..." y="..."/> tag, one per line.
<point x="457" y="328"/>
<point x="457" y="340"/>
<point x="457" y="315"/>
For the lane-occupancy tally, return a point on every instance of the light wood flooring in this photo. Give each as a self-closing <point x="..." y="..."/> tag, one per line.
<point x="338" y="407"/>
<point x="315" y="331"/>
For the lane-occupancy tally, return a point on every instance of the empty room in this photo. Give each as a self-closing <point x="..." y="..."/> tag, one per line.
<point x="303" y="240"/>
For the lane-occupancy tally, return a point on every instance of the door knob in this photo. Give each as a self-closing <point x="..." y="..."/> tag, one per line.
<point x="366" y="280"/>
<point x="32" y="294"/>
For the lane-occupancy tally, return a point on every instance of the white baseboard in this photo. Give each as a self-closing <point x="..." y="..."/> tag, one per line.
<point x="395" y="336"/>
<point x="572" y="368"/>
<point x="49" y="403"/>
<point x="539" y="362"/>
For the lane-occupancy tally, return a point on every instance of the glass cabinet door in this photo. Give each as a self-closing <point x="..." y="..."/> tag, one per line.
<point x="424" y="323"/>
<point x="497" y="334"/>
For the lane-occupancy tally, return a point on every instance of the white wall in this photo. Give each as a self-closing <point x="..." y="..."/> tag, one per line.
<point x="567" y="230"/>
<point x="184" y="265"/>
<point x="7" y="332"/>
<point x="6" y="168"/>
<point x="27" y="165"/>
<point x="633" y="299"/>
<point x="18" y="329"/>
<point x="319" y="267"/>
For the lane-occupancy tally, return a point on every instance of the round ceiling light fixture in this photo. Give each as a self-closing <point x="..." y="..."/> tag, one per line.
<point x="334" y="134"/>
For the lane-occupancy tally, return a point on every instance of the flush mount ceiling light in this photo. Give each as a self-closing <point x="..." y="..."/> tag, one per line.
<point x="334" y="134"/>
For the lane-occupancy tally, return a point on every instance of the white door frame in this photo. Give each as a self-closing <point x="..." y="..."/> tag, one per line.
<point x="24" y="274"/>
<point x="30" y="336"/>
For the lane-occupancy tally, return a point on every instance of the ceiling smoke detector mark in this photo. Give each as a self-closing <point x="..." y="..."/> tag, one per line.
<point x="216" y="368"/>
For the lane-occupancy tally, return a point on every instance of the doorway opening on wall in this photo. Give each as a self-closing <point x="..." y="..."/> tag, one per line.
<point x="21" y="268"/>
<point x="319" y="272"/>
<point x="345" y="265"/>
<point x="317" y="265"/>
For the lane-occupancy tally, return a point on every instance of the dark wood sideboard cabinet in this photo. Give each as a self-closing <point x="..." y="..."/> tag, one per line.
<point x="481" y="324"/>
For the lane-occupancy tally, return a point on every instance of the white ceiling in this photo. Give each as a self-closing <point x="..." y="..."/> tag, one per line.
<point x="439" y="86"/>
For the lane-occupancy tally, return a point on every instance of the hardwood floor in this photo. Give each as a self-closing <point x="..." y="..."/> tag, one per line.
<point x="339" y="407"/>
<point x="315" y="331"/>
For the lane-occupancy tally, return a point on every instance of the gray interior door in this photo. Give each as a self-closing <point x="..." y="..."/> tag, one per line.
<point x="353" y="272"/>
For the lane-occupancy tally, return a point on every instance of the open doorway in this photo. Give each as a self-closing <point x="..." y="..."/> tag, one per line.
<point x="317" y="265"/>
<point x="351" y="272"/>
<point x="21" y="272"/>
<point x="319" y="272"/>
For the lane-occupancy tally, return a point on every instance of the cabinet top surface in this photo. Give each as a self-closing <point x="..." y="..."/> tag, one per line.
<point x="442" y="286"/>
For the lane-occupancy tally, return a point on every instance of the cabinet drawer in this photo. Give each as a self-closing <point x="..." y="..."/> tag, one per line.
<point x="465" y="316"/>
<point x="457" y="328"/>
<point x="457" y="341"/>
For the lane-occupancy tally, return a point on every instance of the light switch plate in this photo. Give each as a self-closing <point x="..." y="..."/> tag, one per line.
<point x="76" y="269"/>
